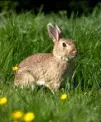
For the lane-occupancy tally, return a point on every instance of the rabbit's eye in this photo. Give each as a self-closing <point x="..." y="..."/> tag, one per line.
<point x="64" y="44"/>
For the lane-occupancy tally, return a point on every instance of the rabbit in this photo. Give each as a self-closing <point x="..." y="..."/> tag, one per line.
<point x="48" y="69"/>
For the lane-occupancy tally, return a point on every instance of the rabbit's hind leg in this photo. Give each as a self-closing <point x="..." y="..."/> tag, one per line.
<point x="24" y="79"/>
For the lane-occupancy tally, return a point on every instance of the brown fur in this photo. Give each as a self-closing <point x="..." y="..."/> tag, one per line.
<point x="47" y="69"/>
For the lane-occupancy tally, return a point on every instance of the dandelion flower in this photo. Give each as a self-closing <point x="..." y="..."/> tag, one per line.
<point x="28" y="117"/>
<point x="3" y="100"/>
<point x="17" y="115"/>
<point x="63" y="96"/>
<point x="15" y="68"/>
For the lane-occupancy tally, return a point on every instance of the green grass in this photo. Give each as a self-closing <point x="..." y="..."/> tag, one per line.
<point x="25" y="34"/>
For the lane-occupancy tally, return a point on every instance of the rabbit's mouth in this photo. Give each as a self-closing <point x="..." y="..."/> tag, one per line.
<point x="72" y="56"/>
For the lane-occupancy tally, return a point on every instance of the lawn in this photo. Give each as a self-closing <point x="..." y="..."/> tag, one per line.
<point x="25" y="34"/>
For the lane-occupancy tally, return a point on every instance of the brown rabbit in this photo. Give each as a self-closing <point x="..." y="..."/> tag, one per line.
<point x="48" y="69"/>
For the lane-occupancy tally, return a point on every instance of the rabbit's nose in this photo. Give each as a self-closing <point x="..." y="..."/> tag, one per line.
<point x="74" y="53"/>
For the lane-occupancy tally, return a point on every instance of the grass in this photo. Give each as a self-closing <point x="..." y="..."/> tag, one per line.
<point x="25" y="34"/>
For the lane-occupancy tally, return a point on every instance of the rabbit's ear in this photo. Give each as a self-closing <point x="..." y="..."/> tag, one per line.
<point x="54" y="32"/>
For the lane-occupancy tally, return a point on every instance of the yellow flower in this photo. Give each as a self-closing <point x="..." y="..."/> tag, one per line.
<point x="3" y="100"/>
<point x="17" y="115"/>
<point x="63" y="96"/>
<point x="15" y="68"/>
<point x="28" y="117"/>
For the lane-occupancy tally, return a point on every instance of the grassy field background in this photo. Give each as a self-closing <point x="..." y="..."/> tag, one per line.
<point x="24" y="34"/>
